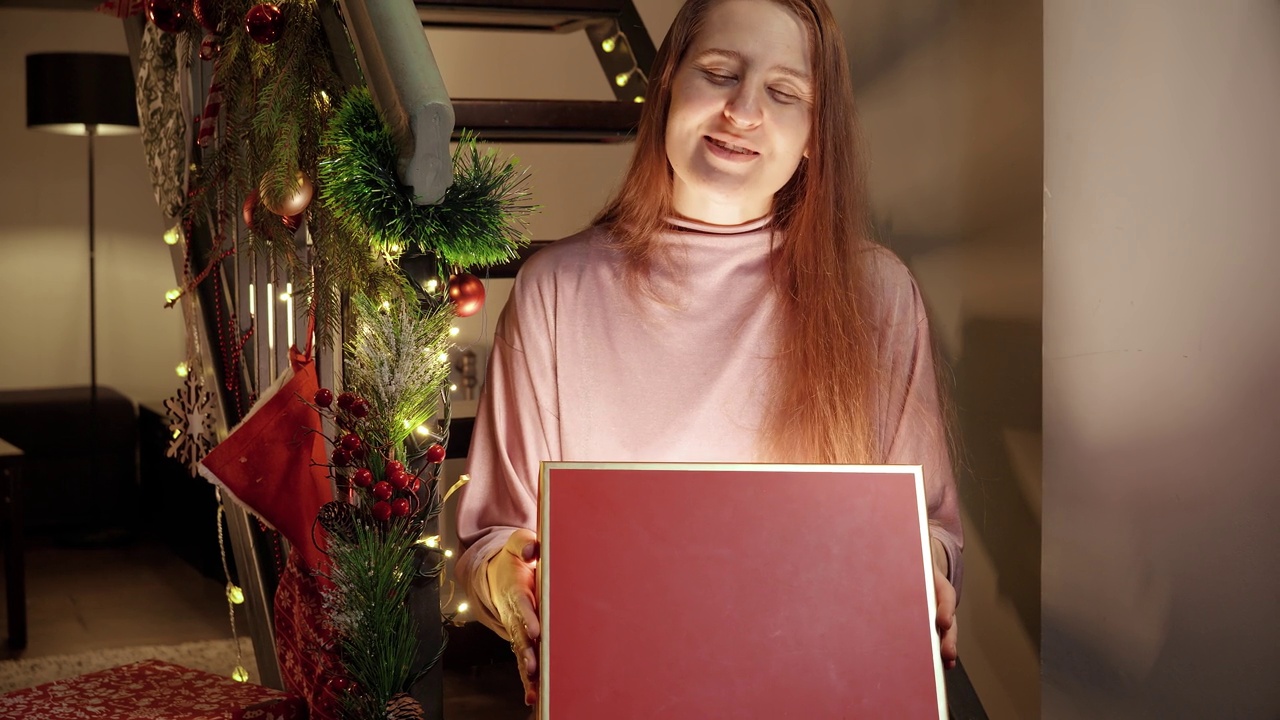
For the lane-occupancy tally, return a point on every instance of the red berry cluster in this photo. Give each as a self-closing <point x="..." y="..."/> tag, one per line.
<point x="394" y="495"/>
<point x="341" y="685"/>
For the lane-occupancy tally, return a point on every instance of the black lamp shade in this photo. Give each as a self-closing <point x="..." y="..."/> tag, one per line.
<point x="66" y="92"/>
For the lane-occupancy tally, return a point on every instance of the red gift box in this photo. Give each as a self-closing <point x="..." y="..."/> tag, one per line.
<point x="151" y="690"/>
<point x="697" y="591"/>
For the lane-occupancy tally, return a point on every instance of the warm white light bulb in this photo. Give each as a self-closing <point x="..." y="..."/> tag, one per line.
<point x="444" y="357"/>
<point x="395" y="249"/>
<point x="235" y="594"/>
<point x="240" y="674"/>
<point x="182" y="370"/>
<point x="171" y="236"/>
<point x="453" y="388"/>
<point x="609" y="44"/>
<point x="432" y="284"/>
<point x="422" y="430"/>
<point x="386" y="304"/>
<point x="454" y="330"/>
<point x="463" y="607"/>
<point x="172" y="295"/>
<point x="622" y="79"/>
<point x="639" y="99"/>
<point x="433" y="541"/>
<point x="448" y="553"/>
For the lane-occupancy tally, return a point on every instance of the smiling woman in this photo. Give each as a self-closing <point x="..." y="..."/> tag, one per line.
<point x="726" y="306"/>
<point x="741" y="106"/>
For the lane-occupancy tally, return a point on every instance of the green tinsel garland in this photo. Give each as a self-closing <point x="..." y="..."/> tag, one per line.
<point x="480" y="222"/>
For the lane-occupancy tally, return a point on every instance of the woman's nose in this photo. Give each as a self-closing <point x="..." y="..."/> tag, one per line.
<point x="743" y="107"/>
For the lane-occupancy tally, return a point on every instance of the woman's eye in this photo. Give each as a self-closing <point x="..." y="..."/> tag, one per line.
<point x="783" y="96"/>
<point x="718" y="78"/>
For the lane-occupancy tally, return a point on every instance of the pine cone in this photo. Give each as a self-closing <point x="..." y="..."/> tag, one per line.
<point x="338" y="519"/>
<point x="403" y="707"/>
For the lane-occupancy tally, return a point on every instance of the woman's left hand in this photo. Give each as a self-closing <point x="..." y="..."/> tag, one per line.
<point x="946" y="597"/>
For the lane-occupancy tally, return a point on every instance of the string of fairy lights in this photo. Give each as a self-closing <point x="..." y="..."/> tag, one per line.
<point x="613" y="44"/>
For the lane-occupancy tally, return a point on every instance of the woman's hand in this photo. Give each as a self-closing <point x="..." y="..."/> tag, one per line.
<point x="946" y="597"/>
<point x="511" y="588"/>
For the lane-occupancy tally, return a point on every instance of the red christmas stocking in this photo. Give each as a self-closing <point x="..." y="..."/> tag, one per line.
<point x="272" y="463"/>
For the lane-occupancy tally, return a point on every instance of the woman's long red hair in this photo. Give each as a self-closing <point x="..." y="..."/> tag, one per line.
<point x="822" y="402"/>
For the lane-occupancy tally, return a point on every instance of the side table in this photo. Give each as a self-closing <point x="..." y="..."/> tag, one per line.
<point x="15" y="573"/>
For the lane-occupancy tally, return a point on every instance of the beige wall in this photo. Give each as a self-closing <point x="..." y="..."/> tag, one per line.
<point x="950" y="97"/>
<point x="44" y="275"/>
<point x="1161" y="348"/>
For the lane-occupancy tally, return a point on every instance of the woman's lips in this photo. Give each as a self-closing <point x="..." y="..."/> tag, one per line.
<point x="729" y="151"/>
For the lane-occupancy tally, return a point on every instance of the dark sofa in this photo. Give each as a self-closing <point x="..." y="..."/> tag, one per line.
<point x="75" y="482"/>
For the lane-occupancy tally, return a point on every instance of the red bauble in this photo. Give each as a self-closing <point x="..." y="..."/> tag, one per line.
<point x="167" y="15"/>
<point x="381" y="511"/>
<point x="208" y="13"/>
<point x="400" y="507"/>
<point x="293" y="222"/>
<point x="435" y="453"/>
<point x="247" y="210"/>
<point x="362" y="478"/>
<point x="338" y="684"/>
<point x="264" y="23"/>
<point x="295" y="202"/>
<point x="341" y="458"/>
<point x="210" y="47"/>
<point x="324" y="397"/>
<point x="382" y="490"/>
<point x="467" y="293"/>
<point x="351" y="442"/>
<point x="398" y="479"/>
<point x="345" y="400"/>
<point x="394" y="466"/>
<point x="360" y="408"/>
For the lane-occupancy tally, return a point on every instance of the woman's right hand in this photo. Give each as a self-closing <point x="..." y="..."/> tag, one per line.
<point x="511" y="588"/>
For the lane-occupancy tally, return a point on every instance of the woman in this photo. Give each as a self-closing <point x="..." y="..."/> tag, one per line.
<point x="726" y="306"/>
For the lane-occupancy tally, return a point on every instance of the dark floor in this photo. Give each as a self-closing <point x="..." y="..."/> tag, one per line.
<point x="137" y="593"/>
<point x="96" y="598"/>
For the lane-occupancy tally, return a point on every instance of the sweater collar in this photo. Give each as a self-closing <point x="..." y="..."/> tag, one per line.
<point x="681" y="224"/>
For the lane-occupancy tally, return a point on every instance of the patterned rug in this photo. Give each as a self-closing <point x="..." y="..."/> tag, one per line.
<point x="215" y="656"/>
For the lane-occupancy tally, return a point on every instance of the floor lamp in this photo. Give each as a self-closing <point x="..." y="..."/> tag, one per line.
<point x="87" y="94"/>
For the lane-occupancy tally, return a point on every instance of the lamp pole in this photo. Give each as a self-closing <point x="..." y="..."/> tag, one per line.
<point x="93" y="295"/>
<point x="91" y="130"/>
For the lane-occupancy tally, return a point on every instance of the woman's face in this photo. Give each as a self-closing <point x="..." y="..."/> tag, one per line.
<point x="741" y="101"/>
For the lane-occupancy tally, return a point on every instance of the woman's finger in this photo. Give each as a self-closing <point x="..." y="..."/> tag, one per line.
<point x="532" y="628"/>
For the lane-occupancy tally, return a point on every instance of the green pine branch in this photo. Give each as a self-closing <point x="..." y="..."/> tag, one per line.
<point x="394" y="362"/>
<point x="372" y="575"/>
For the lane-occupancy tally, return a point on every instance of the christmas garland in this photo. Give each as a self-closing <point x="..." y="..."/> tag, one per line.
<point x="375" y="544"/>
<point x="284" y="143"/>
<point x="480" y="221"/>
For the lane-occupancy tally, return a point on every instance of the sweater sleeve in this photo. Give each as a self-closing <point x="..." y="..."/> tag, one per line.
<point x="915" y="428"/>
<point x="516" y="429"/>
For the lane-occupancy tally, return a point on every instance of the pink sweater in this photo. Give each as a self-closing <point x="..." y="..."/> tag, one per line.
<point x="584" y="370"/>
